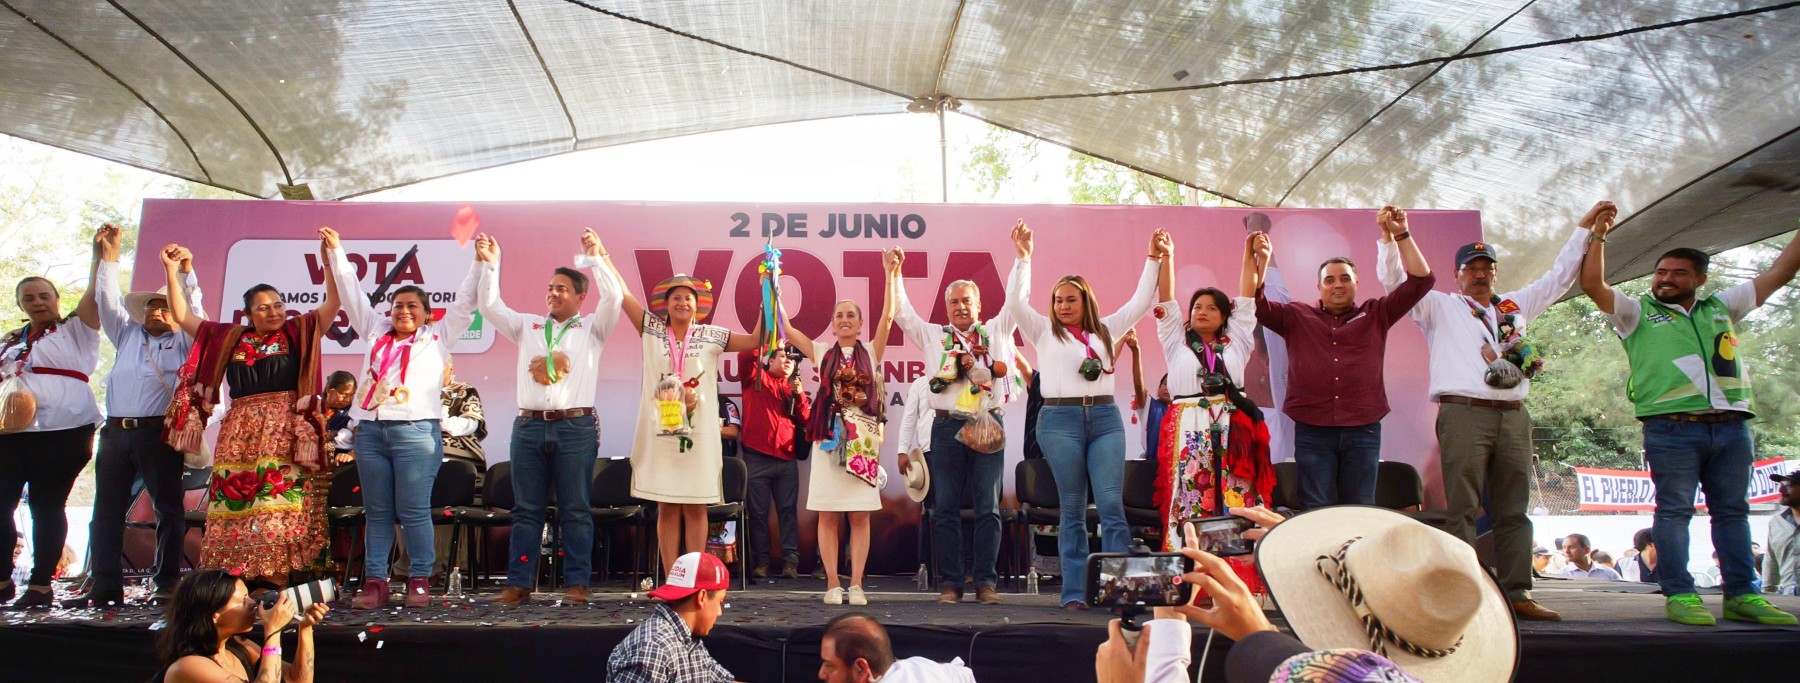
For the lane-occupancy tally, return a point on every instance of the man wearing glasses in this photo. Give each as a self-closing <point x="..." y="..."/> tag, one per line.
<point x="138" y="390"/>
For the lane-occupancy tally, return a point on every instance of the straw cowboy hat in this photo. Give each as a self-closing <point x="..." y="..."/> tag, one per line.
<point x="918" y="480"/>
<point x="134" y="302"/>
<point x="703" y="296"/>
<point x="1369" y="578"/>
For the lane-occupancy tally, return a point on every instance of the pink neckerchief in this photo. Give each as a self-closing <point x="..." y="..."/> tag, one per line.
<point x="1083" y="335"/>
<point x="678" y="355"/>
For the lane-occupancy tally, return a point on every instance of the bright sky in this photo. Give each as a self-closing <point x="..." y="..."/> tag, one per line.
<point x="887" y="158"/>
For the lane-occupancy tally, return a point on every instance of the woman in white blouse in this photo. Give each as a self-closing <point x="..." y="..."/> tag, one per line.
<point x="52" y="355"/>
<point x="1079" y="427"/>
<point x="1207" y="349"/>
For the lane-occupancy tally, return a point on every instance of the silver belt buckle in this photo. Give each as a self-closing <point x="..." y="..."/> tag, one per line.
<point x="1087" y="401"/>
<point x="128" y="422"/>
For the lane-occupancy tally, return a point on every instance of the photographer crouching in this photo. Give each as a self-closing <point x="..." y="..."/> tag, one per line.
<point x="205" y="634"/>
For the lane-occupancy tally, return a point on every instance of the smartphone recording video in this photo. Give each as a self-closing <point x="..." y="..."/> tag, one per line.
<point x="1224" y="536"/>
<point x="1126" y="580"/>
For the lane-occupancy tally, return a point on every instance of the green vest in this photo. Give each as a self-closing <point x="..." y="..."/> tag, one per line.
<point x="1681" y="363"/>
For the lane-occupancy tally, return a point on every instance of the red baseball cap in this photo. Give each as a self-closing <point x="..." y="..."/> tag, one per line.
<point x="692" y="573"/>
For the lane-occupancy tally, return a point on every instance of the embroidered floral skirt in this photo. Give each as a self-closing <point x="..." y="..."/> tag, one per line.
<point x="1192" y="481"/>
<point x="264" y="517"/>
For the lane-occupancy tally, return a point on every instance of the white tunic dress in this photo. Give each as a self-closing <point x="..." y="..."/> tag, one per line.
<point x="661" y="469"/>
<point x="830" y="487"/>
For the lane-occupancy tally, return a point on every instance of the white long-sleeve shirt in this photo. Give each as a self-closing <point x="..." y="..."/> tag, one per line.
<point x="1455" y="336"/>
<point x="930" y="340"/>
<point x="915" y="423"/>
<point x="582" y="342"/>
<point x="420" y="360"/>
<point x="62" y="402"/>
<point x="1184" y="365"/>
<point x="144" y="374"/>
<point x="1059" y="360"/>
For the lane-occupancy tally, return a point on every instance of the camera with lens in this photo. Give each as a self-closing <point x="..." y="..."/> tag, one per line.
<point x="1090" y="369"/>
<point x="305" y="594"/>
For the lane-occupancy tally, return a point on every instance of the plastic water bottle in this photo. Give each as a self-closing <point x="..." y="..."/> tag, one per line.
<point x="1031" y="582"/>
<point x="455" y="591"/>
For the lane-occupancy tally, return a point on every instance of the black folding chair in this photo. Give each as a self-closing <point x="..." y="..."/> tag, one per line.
<point x="613" y="505"/>
<point x="344" y="509"/>
<point x="453" y="490"/>
<point x="495" y="511"/>
<point x="736" y="477"/>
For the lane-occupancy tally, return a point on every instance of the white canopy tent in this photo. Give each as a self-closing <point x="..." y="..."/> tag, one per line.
<point x="1528" y="110"/>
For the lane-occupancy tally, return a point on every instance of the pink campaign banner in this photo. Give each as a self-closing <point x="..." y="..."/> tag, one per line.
<point x="830" y="252"/>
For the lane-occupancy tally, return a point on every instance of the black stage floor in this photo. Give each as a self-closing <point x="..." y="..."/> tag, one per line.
<point x="771" y="633"/>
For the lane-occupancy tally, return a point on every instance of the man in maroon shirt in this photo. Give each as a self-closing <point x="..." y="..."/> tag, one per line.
<point x="774" y="406"/>
<point x="1335" y="393"/>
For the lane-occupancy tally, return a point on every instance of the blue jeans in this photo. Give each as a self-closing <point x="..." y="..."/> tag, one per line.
<point x="959" y="474"/>
<point x="1085" y="446"/>
<point x="548" y="453"/>
<point x="1337" y="464"/>
<point x="398" y="461"/>
<point x="1716" y="458"/>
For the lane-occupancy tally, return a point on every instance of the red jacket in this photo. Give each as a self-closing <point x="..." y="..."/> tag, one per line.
<point x="769" y="426"/>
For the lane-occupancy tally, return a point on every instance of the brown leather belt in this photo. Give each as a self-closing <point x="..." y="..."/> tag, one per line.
<point x="1481" y="402"/>
<point x="1082" y="401"/>
<point x="553" y="415"/>
<point x="1702" y="418"/>
<point x="134" y="422"/>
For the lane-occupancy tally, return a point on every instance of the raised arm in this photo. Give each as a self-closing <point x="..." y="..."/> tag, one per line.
<point x="1018" y="289"/>
<point x="1138" y="394"/>
<point x="1388" y="268"/>
<point x="1256" y="253"/>
<point x="88" y="309"/>
<point x="915" y="327"/>
<point x="608" y="286"/>
<point x="1165" y="276"/>
<point x="460" y="315"/>
<point x="628" y="302"/>
<point x="1410" y="256"/>
<point x="356" y="305"/>
<point x="328" y="310"/>
<point x="1549" y="287"/>
<point x="1780" y="273"/>
<point x="185" y="318"/>
<point x="494" y="311"/>
<point x="885" y="324"/>
<point x="1593" y="264"/>
<point x="109" y="303"/>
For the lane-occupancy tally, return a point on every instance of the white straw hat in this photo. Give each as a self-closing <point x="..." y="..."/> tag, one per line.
<point x="918" y="480"/>
<point x="1373" y="579"/>
<point x="134" y="302"/>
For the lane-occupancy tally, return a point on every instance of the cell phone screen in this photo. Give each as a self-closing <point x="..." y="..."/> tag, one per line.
<point x="1154" y="580"/>
<point x="1224" y="536"/>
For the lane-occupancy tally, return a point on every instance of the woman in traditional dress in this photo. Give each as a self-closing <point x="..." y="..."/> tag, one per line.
<point x="1209" y="437"/>
<point x="846" y="432"/>
<point x="677" y="457"/>
<point x="265" y="515"/>
<point x="1079" y="428"/>
<point x="51" y="356"/>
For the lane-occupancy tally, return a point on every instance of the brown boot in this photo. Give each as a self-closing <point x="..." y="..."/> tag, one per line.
<point x="418" y="593"/>
<point x="575" y="595"/>
<point x="986" y="595"/>
<point x="511" y="596"/>
<point x="1530" y="610"/>
<point x="950" y="595"/>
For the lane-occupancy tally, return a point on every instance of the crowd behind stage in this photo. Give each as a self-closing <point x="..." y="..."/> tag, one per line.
<point x="287" y="431"/>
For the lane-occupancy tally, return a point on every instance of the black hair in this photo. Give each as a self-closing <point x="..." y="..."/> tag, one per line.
<point x="1694" y="256"/>
<point x="250" y="294"/>
<point x="1220" y="299"/>
<point x="189" y="627"/>
<point x="36" y="278"/>
<point x="340" y="378"/>
<point x="851" y="641"/>
<point x="415" y="290"/>
<point x="1644" y="538"/>
<point x="1336" y="259"/>
<point x="577" y="279"/>
<point x="1582" y="539"/>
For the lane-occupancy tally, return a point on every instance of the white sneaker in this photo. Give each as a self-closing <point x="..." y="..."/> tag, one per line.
<point x="834" y="596"/>
<point x="856" y="596"/>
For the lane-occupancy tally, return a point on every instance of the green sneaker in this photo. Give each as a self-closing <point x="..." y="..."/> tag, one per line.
<point x="1755" y="609"/>
<point x="1685" y="608"/>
